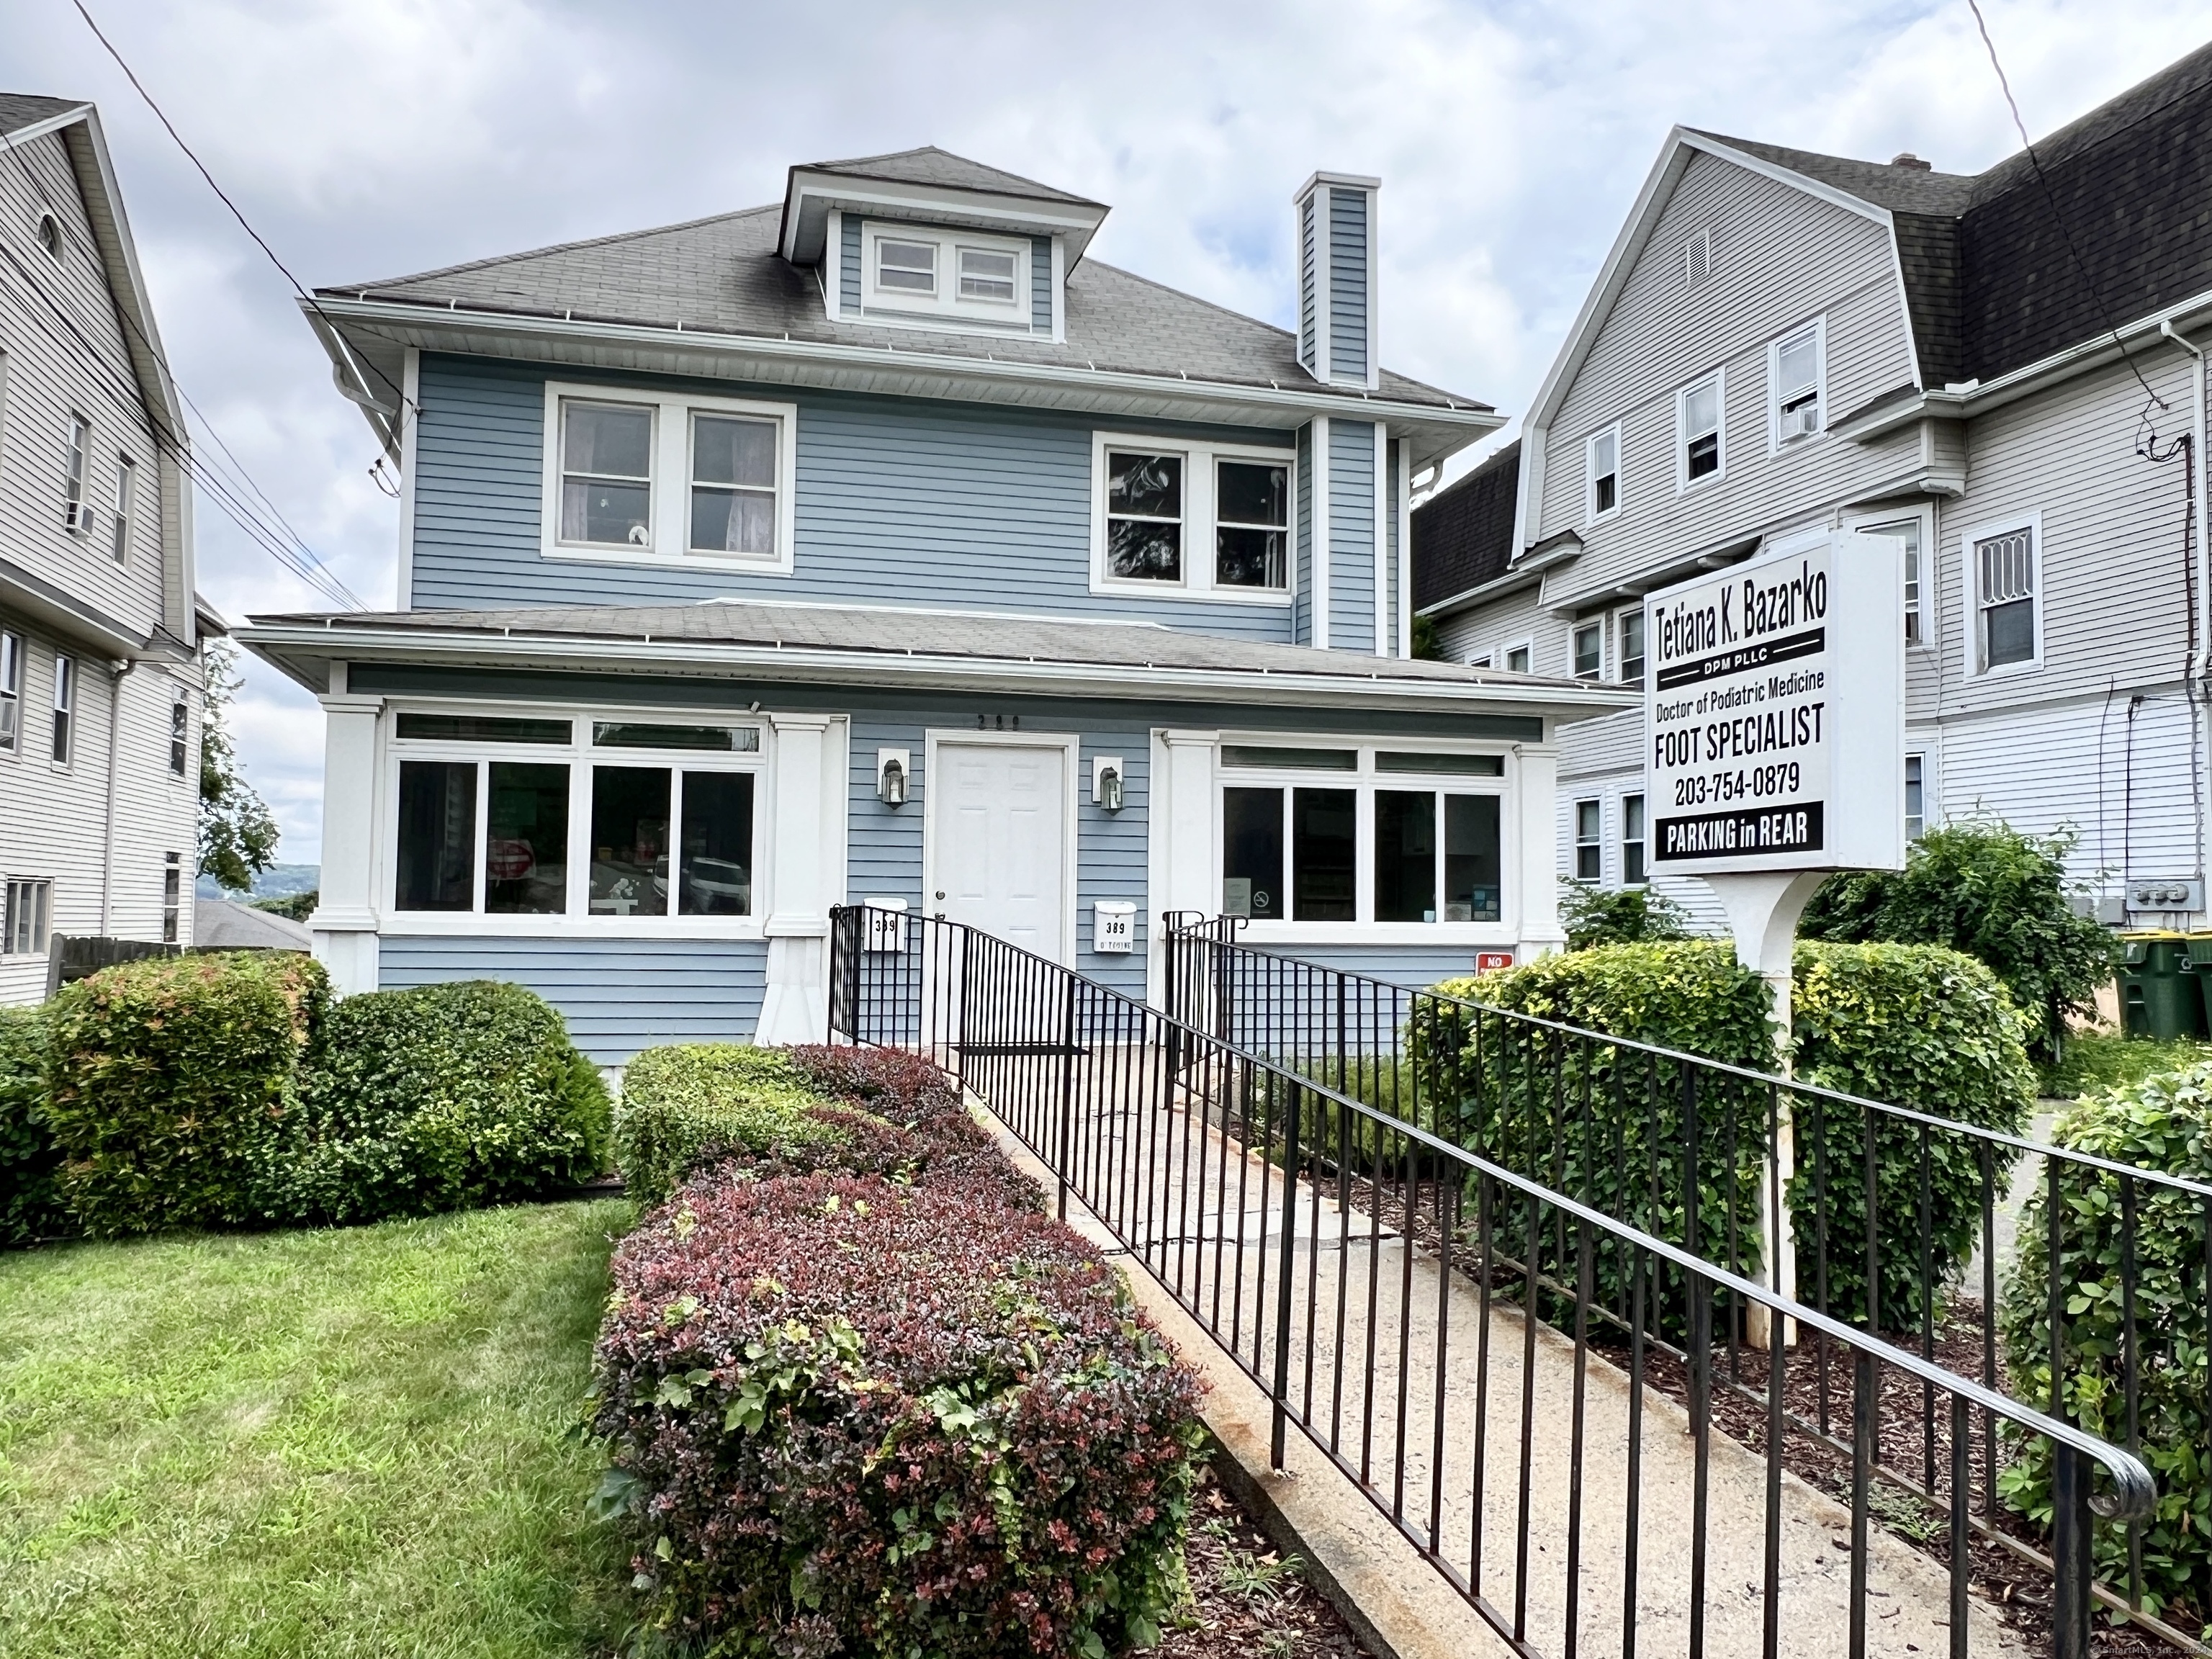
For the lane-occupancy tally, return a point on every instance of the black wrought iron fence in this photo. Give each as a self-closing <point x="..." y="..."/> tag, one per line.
<point x="1881" y="1217"/>
<point x="1378" y="1277"/>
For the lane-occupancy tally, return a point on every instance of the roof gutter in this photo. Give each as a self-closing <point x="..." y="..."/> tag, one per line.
<point x="818" y="666"/>
<point x="417" y="316"/>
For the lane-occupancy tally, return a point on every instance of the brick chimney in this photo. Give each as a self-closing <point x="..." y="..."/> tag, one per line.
<point x="1905" y="158"/>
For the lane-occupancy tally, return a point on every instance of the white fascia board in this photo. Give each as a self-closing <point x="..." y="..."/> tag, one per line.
<point x="1350" y="180"/>
<point x="1527" y="574"/>
<point x="282" y="643"/>
<point x="840" y="366"/>
<point x="984" y="209"/>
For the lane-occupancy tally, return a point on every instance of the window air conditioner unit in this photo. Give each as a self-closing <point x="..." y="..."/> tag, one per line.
<point x="80" y="517"/>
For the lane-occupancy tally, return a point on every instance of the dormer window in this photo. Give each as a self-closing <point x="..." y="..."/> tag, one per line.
<point x="958" y="279"/>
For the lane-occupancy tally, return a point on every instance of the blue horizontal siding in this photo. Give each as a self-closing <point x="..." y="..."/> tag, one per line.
<point x="1348" y="231"/>
<point x="1414" y="966"/>
<point x="618" y="996"/>
<point x="1040" y="284"/>
<point x="848" y="266"/>
<point x="900" y="501"/>
<point x="1351" y="536"/>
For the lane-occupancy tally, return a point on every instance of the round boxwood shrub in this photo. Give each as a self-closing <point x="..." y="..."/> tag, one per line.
<point x="30" y="1192"/>
<point x="2161" y="1123"/>
<point x="166" y="1082"/>
<point x="853" y="1417"/>
<point x="439" y="1098"/>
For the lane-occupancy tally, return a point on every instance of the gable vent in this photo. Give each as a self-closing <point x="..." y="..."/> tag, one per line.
<point x="1698" y="259"/>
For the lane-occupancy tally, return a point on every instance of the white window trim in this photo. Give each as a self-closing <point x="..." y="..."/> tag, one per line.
<point x="1683" y="481"/>
<point x="1858" y="523"/>
<point x="1776" y="443"/>
<point x="1604" y="649"/>
<point x="1590" y="514"/>
<point x="71" y="680"/>
<point x="123" y="526"/>
<point x="1364" y="781"/>
<point x="947" y="307"/>
<point x="1575" y="841"/>
<point x="1481" y="660"/>
<point x="1620" y="837"/>
<point x="1198" y="519"/>
<point x="46" y="917"/>
<point x="1505" y="655"/>
<point x="1619" y="663"/>
<point x="1970" y="586"/>
<point x="15" y="652"/>
<point x="579" y="755"/>
<point x="671" y="481"/>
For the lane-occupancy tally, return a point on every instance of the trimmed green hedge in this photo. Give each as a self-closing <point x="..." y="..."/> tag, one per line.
<point x="2162" y="1123"/>
<point x="165" y="1083"/>
<point x="689" y="1104"/>
<point x="30" y="1193"/>
<point x="441" y="1097"/>
<point x="1918" y="1026"/>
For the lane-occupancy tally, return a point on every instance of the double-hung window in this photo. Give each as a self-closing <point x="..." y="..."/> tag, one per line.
<point x="64" y="708"/>
<point x="1601" y="465"/>
<point x="1209" y="521"/>
<point x="604" y="823"/>
<point x="1589" y="649"/>
<point x="11" y="692"/>
<point x="1697" y="434"/>
<point x="1796" y="375"/>
<point x="1361" y="835"/>
<point x="1632" y="841"/>
<point x="1916" y="796"/>
<point x="2003" y="568"/>
<point x="1628" y="631"/>
<point x="76" y="463"/>
<point x="1908" y="533"/>
<point x="173" y="896"/>
<point x="126" y="507"/>
<point x="26" y="916"/>
<point x="1590" y="840"/>
<point x="641" y="477"/>
<point x="180" y="727"/>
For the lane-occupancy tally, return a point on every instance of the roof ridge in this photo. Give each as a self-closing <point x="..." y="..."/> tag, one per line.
<point x="2053" y="148"/>
<point x="1037" y="185"/>
<point x="490" y="260"/>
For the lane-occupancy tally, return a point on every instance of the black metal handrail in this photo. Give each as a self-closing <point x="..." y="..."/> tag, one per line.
<point x="1403" y="1048"/>
<point x="1237" y="1180"/>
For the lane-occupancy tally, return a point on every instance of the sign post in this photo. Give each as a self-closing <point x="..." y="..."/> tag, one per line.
<point x="1775" y="716"/>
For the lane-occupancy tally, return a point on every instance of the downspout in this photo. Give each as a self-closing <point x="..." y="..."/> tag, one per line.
<point x="2203" y="655"/>
<point x="116" y="673"/>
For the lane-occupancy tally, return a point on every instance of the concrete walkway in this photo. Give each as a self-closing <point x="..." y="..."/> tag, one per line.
<point x="1486" y="1486"/>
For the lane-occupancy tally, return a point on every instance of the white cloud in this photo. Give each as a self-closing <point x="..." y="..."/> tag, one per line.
<point x="370" y="137"/>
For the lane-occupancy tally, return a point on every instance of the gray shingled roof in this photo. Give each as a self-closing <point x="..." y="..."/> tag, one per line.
<point x="1992" y="283"/>
<point x="871" y="632"/>
<point x="932" y="165"/>
<point x="1464" y="534"/>
<point x="18" y="110"/>
<point x="724" y="275"/>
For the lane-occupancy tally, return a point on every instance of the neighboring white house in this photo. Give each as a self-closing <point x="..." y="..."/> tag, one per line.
<point x="2000" y="370"/>
<point x="100" y="680"/>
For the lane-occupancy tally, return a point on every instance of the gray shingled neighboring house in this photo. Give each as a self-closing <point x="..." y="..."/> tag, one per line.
<point x="1784" y="345"/>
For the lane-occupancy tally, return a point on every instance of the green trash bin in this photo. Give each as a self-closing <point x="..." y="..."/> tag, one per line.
<point x="2200" y="965"/>
<point x="2159" y="996"/>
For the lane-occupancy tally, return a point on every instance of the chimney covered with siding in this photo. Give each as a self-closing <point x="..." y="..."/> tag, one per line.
<point x="1336" y="277"/>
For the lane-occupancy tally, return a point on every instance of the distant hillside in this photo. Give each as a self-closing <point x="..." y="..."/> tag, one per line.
<point x="276" y="881"/>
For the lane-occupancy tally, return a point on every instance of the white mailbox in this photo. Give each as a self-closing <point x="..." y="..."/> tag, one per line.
<point x="1113" y="926"/>
<point x="886" y="925"/>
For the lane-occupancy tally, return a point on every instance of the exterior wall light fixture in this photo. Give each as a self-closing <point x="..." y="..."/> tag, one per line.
<point x="892" y="766"/>
<point x="1106" y="773"/>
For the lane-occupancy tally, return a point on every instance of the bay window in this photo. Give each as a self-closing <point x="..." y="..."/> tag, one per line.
<point x="1407" y="836"/>
<point x="594" y="822"/>
<point x="1209" y="520"/>
<point x="637" y="476"/>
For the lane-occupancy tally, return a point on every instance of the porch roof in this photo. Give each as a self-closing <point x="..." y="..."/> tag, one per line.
<point x="947" y="649"/>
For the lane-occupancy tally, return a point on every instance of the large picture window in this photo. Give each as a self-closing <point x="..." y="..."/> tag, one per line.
<point x="1371" y="836"/>
<point x="594" y="822"/>
<point x="639" y="476"/>
<point x="1209" y="520"/>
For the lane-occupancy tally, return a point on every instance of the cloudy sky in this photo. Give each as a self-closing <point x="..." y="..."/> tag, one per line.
<point x="375" y="138"/>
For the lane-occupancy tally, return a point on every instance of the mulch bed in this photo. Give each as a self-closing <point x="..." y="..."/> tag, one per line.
<point x="1249" y="1600"/>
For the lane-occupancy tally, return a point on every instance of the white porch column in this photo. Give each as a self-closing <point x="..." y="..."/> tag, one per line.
<point x="345" y="920"/>
<point x="1188" y="882"/>
<point x="806" y="875"/>
<point x="1539" y="860"/>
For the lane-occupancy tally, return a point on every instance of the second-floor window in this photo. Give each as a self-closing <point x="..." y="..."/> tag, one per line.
<point x="956" y="278"/>
<point x="1915" y="797"/>
<point x="669" y="480"/>
<point x="126" y="507"/>
<point x="1589" y="649"/>
<point x="64" y="708"/>
<point x="180" y="724"/>
<point x="1796" y="376"/>
<point x="1518" y="658"/>
<point x="1629" y="630"/>
<point x="1697" y="431"/>
<point x="1210" y="520"/>
<point x="2003" y="572"/>
<point x="1602" y="460"/>
<point x="75" y="462"/>
<point x="11" y="691"/>
<point x="1905" y="531"/>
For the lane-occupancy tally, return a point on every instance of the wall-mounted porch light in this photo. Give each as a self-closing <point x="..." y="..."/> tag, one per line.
<point x="1106" y="773"/>
<point x="892" y="766"/>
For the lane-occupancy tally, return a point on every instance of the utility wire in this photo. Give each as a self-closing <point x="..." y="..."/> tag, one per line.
<point x="259" y="241"/>
<point x="2050" y="200"/>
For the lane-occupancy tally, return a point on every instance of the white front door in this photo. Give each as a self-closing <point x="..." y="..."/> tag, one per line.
<point x="998" y="834"/>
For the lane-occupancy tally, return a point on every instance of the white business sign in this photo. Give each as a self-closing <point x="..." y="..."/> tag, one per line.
<point x="1774" y="713"/>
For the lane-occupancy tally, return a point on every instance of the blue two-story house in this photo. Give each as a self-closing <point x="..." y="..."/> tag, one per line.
<point x="879" y="545"/>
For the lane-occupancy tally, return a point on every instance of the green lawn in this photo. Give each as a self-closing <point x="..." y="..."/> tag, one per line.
<point x="354" y="1442"/>
<point x="2096" y="1062"/>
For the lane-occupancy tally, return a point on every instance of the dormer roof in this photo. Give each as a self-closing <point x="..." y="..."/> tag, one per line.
<point x="932" y="186"/>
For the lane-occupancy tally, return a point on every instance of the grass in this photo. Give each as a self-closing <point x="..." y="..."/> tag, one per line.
<point x="354" y="1442"/>
<point x="2096" y="1061"/>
